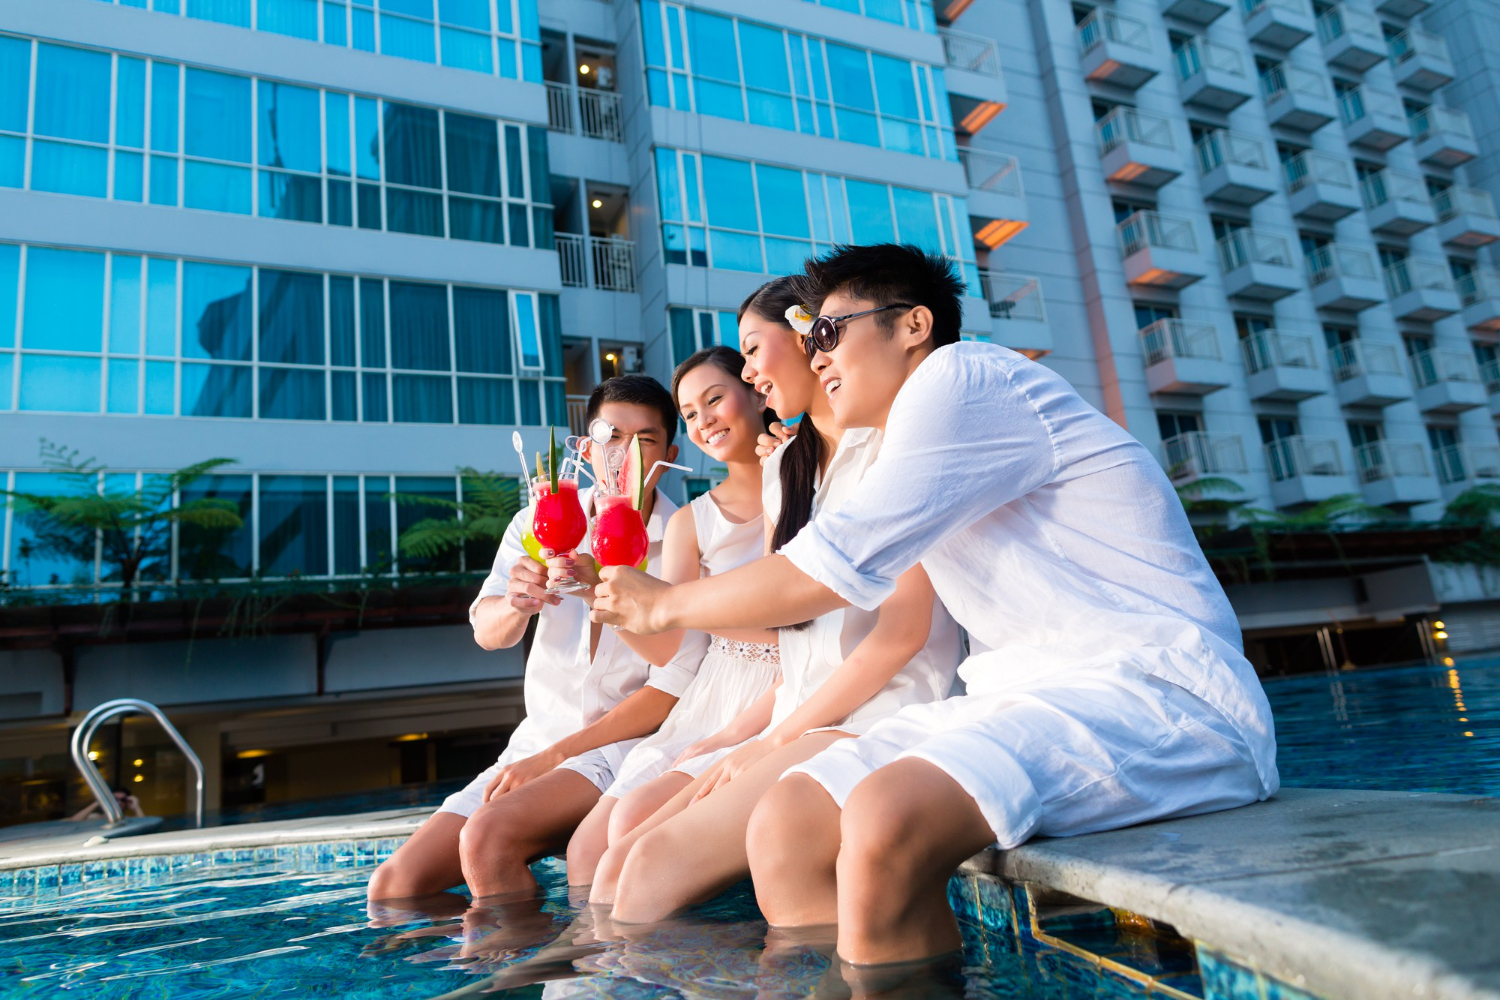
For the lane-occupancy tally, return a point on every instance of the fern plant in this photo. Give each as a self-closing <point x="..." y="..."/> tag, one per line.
<point x="478" y="521"/>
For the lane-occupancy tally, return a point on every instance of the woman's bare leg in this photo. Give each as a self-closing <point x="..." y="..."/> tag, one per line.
<point x="588" y="842"/>
<point x="642" y="803"/>
<point x="793" y="846"/>
<point x="607" y="873"/>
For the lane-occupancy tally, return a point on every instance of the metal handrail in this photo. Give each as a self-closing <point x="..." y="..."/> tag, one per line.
<point x="84" y="734"/>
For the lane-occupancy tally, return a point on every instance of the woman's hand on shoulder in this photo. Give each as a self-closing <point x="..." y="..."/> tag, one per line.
<point x="776" y="435"/>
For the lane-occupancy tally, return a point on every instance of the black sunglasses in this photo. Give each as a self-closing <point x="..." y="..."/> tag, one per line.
<point x="828" y="330"/>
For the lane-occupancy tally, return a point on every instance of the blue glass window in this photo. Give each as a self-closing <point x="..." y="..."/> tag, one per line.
<point x="422" y="399"/>
<point x="335" y="23"/>
<point x="216" y="313"/>
<point x="373" y="394"/>
<point x="59" y="384"/>
<point x="124" y="388"/>
<point x="130" y="176"/>
<point x="468" y="13"/>
<point x="235" y="12"/>
<point x="130" y="102"/>
<point x="346" y="519"/>
<point x="217" y="553"/>
<point x="367" y="138"/>
<point x="292" y="394"/>
<point x="68" y="169"/>
<point x="160" y="397"/>
<point x="486" y="401"/>
<point x="337" y="106"/>
<point x="12" y="161"/>
<point x="419" y="327"/>
<point x="161" y="307"/>
<point x="216" y="188"/>
<point x="400" y="36"/>
<point x="295" y="197"/>
<point x="39" y="566"/>
<point x="917" y="216"/>
<point x="216" y="391"/>
<point x="164" y="113"/>
<point x="344" y="396"/>
<point x="290" y="128"/>
<point x="64" y="302"/>
<point x="467" y="50"/>
<point x="7" y="376"/>
<point x="473" y="148"/>
<point x="294" y="525"/>
<point x="481" y="331"/>
<point x="725" y="186"/>
<point x="125" y="305"/>
<point x="341" y="320"/>
<point x="72" y="93"/>
<point x="298" y="18"/>
<point x="783" y="209"/>
<point x="528" y="339"/>
<point x="515" y="166"/>
<point x="371" y="323"/>
<point x="870" y="212"/>
<point x="291" y="317"/>
<point x="15" y="83"/>
<point x="217" y="116"/>
<point x="10" y="271"/>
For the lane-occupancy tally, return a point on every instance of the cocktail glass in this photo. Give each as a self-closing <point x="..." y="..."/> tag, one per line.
<point x="558" y="522"/>
<point x="619" y="533"/>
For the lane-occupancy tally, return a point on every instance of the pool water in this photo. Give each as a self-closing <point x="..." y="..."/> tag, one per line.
<point x="297" y="924"/>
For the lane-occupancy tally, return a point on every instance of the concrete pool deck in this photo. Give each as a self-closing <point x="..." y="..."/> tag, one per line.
<point x="1345" y="894"/>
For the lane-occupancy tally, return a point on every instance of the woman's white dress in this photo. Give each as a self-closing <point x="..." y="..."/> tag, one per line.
<point x="732" y="675"/>
<point x="812" y="655"/>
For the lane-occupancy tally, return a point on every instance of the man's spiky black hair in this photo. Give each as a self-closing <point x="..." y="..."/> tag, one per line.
<point x="887" y="273"/>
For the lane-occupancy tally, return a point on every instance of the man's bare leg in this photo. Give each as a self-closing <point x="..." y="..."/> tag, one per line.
<point x="793" y="846"/>
<point x="695" y="855"/>
<point x="426" y="864"/>
<point x="590" y="841"/>
<point x="904" y="831"/>
<point x="507" y="833"/>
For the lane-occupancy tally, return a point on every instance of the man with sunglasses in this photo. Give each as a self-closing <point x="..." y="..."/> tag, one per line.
<point x="1106" y="684"/>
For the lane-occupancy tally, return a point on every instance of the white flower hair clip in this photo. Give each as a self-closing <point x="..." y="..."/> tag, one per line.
<point x="799" y="319"/>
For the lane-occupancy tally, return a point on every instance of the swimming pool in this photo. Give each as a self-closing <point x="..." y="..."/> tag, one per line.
<point x="293" y="921"/>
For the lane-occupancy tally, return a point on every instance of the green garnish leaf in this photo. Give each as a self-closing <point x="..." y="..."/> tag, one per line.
<point x="552" y="458"/>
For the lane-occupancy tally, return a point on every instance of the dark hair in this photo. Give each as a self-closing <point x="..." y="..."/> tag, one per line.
<point x="726" y="359"/>
<point x="804" y="453"/>
<point x="641" y="390"/>
<point x="886" y="273"/>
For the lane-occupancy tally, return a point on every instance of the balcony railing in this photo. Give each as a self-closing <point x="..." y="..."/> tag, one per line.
<point x="1173" y="338"/>
<point x="1478" y="285"/>
<point x="1312" y="167"/>
<point x="1438" y="365"/>
<point x="1378" y="460"/>
<point x="606" y="263"/>
<point x="1289" y="457"/>
<point x="1439" y="119"/>
<point x="1392" y="185"/>
<point x="1414" y="272"/>
<point x="1334" y="261"/>
<point x="1270" y="348"/>
<point x="1413" y="43"/>
<point x="1489" y="374"/>
<point x="988" y="171"/>
<point x="1358" y="357"/>
<point x="1345" y="20"/>
<point x="1129" y="125"/>
<point x="1222" y="146"/>
<point x="1148" y="229"/>
<point x="1246" y="246"/>
<point x="1251" y="7"/>
<point x="974" y="53"/>
<point x="578" y="412"/>
<point x="1455" y="201"/>
<point x="598" y="114"/>
<point x="1282" y="79"/>
<point x="1197" y="454"/>
<point x="1197" y="54"/>
<point x="1357" y="102"/>
<point x="1457" y="463"/>
<point x="1012" y="296"/>
<point x="1104" y="25"/>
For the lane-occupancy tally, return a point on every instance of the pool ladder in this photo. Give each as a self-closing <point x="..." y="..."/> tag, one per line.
<point x="84" y="734"/>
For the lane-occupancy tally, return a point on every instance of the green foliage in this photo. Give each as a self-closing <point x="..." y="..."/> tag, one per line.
<point x="1339" y="512"/>
<point x="131" y="528"/>
<point x="490" y="501"/>
<point x="1478" y="506"/>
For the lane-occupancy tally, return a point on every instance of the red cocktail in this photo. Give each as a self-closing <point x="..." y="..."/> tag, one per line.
<point x="558" y="521"/>
<point x="619" y="533"/>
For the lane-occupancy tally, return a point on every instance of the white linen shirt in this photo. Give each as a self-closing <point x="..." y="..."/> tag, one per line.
<point x="566" y="689"/>
<point x="1049" y="533"/>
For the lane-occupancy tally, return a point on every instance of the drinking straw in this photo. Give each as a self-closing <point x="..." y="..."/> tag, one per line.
<point x="515" y="440"/>
<point x="669" y="465"/>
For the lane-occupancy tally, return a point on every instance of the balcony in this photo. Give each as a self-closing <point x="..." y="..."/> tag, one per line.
<point x="1297" y="98"/>
<point x="1159" y="251"/>
<point x="1280" y="24"/>
<point x="1234" y="167"/>
<point x="1305" y="470"/>
<point x="1463" y="466"/>
<point x="1212" y="75"/>
<point x="1195" y="11"/>
<point x="1320" y="186"/>
<point x="1479" y="292"/>
<point x="1343" y="278"/>
<point x="1281" y="367"/>
<point x="1421" y="290"/>
<point x="1394" y="473"/>
<point x="1367" y="374"/>
<point x="1402" y="8"/>
<point x="1196" y="455"/>
<point x="1137" y="148"/>
<point x="1351" y="38"/>
<point x="594" y="114"/>
<point x="1420" y="60"/>
<point x="1257" y="266"/>
<point x="976" y="90"/>
<point x="1443" y="137"/>
<point x="997" y="202"/>
<point x="1489" y="373"/>
<point x="1466" y="217"/>
<point x="1396" y="203"/>
<point x="1372" y="120"/>
<point x="1447" y="381"/>
<point x="1183" y="358"/>
<point x="1018" y="315"/>
<point x="578" y="414"/>
<point x="605" y="263"/>
<point x="1115" y="49"/>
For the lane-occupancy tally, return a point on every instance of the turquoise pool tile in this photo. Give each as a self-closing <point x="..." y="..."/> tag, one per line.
<point x="1277" y="990"/>
<point x="7" y="882"/>
<point x="1226" y="979"/>
<point x="264" y="855"/>
<point x="223" y="856"/>
<point x="365" y="851"/>
<point x="69" y="878"/>
<point x="1189" y="983"/>
<point x="47" y="879"/>
<point x="25" y="882"/>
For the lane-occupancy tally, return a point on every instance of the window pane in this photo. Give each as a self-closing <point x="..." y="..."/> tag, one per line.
<point x="216" y="391"/>
<point x="123" y="387"/>
<point x="917" y="217"/>
<point x="217" y="553"/>
<point x="540" y="166"/>
<point x="10" y="270"/>
<point x="216" y="188"/>
<point x="515" y="166"/>
<point x="473" y="155"/>
<point x="59" y="384"/>
<point x="849" y="76"/>
<point x="72" y="93"/>
<point x="725" y="184"/>
<point x="472" y="219"/>
<point x="160" y="397"/>
<point x="530" y="399"/>
<point x="340" y="320"/>
<point x="130" y="176"/>
<point x="373" y="395"/>
<point x="346" y="525"/>
<point x="528" y="340"/>
<point x="870" y="212"/>
<point x="298" y="18"/>
<point x="416" y="8"/>
<point x="516" y="215"/>
<point x="335" y="26"/>
<point x="413" y="212"/>
<point x="337" y="118"/>
<point x="549" y="318"/>
<point x="764" y="53"/>
<point x="711" y="41"/>
<point x="291" y="317"/>
<point x="785" y="256"/>
<point x="40" y="566"/>
<point x="783" y="210"/>
<point x="292" y="394"/>
<point x="444" y="488"/>
<point x="481" y="332"/>
<point x="371" y="323"/>
<point x="226" y="11"/>
<point x="67" y="169"/>
<point x="164" y="108"/>
<point x="400" y="36"/>
<point x="345" y="396"/>
<point x="217" y="116"/>
<point x="468" y="13"/>
<point x="422" y="399"/>
<point x="340" y="203"/>
<point x="894" y="86"/>
<point x="161" y="307"/>
<point x="722" y="100"/>
<point x="15" y="83"/>
<point x="12" y="161"/>
<point x="290" y="127"/>
<point x="294" y="197"/>
<point x="163" y="180"/>
<point x="735" y="251"/>
<point x="379" y="552"/>
<point x="486" y="401"/>
<point x="64" y="301"/>
<point x="216" y="312"/>
<point x="467" y="50"/>
<point x="124" y="305"/>
<point x="419" y="327"/>
<point x="130" y="103"/>
<point x="293" y="526"/>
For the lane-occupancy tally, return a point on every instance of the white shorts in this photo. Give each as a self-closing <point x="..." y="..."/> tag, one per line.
<point x="599" y="766"/>
<point x="1102" y="749"/>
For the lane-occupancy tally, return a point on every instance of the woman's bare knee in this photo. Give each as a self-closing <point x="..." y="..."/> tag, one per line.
<point x="792" y="843"/>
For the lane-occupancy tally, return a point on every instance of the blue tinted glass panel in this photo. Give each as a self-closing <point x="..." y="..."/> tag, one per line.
<point x="400" y="36"/>
<point x="216" y="391"/>
<point x="467" y="50"/>
<point x="917" y="217"/>
<point x="725" y="186"/>
<point x="298" y="18"/>
<point x="518" y="227"/>
<point x="531" y="63"/>
<point x="294" y="525"/>
<point x="216" y="301"/>
<point x="528" y="338"/>
<point x="656" y="53"/>
<point x="414" y="212"/>
<point x="15" y="83"/>
<point x="473" y="155"/>
<point x="771" y="110"/>
<point x="216" y="188"/>
<point x="345" y="396"/>
<point x="10" y="271"/>
<point x="130" y="103"/>
<point x="335" y="26"/>
<point x="64" y="301"/>
<point x="364" y="29"/>
<point x="422" y="399"/>
<point x="12" y="161"/>
<point x="338" y="133"/>
<point x="481" y="331"/>
<point x="468" y="13"/>
<point x="72" y="93"/>
<point x="291" y="317"/>
<point x="7" y="376"/>
<point x="785" y="256"/>
<point x="371" y="323"/>
<point x="783" y="209"/>
<point x="507" y="51"/>
<point x="690" y="187"/>
<point x="160" y="396"/>
<point x="870" y="212"/>
<point x="894" y="87"/>
<point x="59" y="384"/>
<point x="531" y="402"/>
<point x="735" y="251"/>
<point x="125" y="305"/>
<point x="295" y="197"/>
<point x="217" y="116"/>
<point x="378" y="519"/>
<point x="292" y="394"/>
<point x="366" y="138"/>
<point x="167" y="6"/>
<point x="486" y="401"/>
<point x="536" y="159"/>
<point x="482" y="221"/>
<point x="722" y="100"/>
<point x="764" y="53"/>
<point x="515" y="165"/>
<point x="849" y="76"/>
<point x="729" y="330"/>
<point x="858" y="126"/>
<point x="530" y="28"/>
<point x="68" y="169"/>
<point x="225" y="11"/>
<point x="416" y="8"/>
<point x="340" y="320"/>
<point x="290" y="130"/>
<point x="130" y="170"/>
<point x="549" y="315"/>
<point x="161" y="307"/>
<point x="40" y="566"/>
<point x="163" y="110"/>
<point x="373" y="394"/>
<point x="667" y="188"/>
<point x="411" y="146"/>
<point x="218" y="553"/>
<point x="419" y="327"/>
<point x="340" y="203"/>
<point x="124" y="388"/>
<point x="163" y="181"/>
<point x="711" y="39"/>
